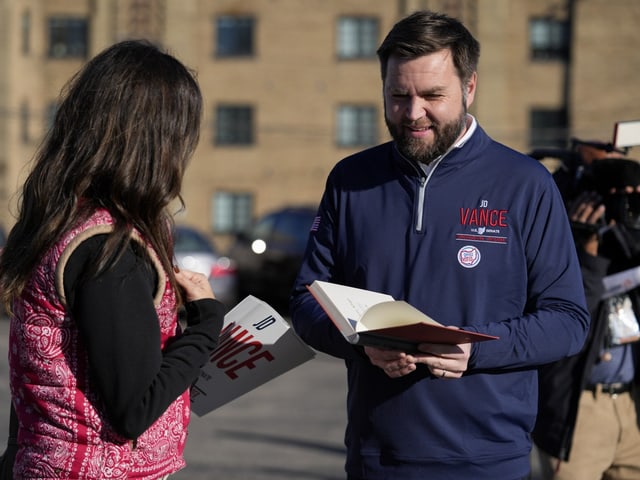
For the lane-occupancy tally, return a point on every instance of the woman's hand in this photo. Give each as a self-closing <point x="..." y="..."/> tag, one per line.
<point x="195" y="285"/>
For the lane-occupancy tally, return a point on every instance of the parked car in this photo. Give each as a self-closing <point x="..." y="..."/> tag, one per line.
<point x="194" y="251"/>
<point x="269" y="254"/>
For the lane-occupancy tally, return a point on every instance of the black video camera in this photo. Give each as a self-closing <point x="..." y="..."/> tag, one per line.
<point x="613" y="178"/>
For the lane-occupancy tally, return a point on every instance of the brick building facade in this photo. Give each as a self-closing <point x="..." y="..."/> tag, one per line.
<point x="292" y="86"/>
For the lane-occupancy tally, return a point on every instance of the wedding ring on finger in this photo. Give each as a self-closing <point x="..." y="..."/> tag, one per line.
<point x="444" y="374"/>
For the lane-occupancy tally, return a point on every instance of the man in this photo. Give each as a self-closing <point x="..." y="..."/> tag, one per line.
<point x="587" y="427"/>
<point x="466" y="230"/>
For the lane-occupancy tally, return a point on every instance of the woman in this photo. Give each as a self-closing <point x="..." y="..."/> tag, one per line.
<point x="99" y="369"/>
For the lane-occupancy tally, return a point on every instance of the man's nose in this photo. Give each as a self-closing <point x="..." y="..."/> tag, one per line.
<point x="415" y="108"/>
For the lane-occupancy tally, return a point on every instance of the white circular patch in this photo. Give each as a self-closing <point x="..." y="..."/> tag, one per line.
<point x="469" y="256"/>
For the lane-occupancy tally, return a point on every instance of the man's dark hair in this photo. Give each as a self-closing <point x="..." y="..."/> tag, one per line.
<point x="426" y="32"/>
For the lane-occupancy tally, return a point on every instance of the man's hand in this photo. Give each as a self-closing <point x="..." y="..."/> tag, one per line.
<point x="394" y="362"/>
<point x="444" y="361"/>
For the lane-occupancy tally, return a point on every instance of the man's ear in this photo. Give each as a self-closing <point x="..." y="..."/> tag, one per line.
<point x="470" y="89"/>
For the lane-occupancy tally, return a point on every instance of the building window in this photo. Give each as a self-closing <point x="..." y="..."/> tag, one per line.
<point x="357" y="37"/>
<point x="234" y="36"/>
<point x="232" y="211"/>
<point x="356" y="126"/>
<point x="549" y="39"/>
<point x="24" y="122"/>
<point x="67" y="37"/>
<point x="25" y="25"/>
<point x="233" y="125"/>
<point x="50" y="115"/>
<point x="548" y="128"/>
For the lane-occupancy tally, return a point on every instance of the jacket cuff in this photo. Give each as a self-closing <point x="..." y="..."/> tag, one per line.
<point x="204" y="309"/>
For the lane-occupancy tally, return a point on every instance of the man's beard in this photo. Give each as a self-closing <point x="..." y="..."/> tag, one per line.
<point x="417" y="150"/>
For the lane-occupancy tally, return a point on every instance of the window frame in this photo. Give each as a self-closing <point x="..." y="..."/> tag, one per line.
<point x="549" y="39"/>
<point x="234" y="125"/>
<point x="49" y="116"/>
<point x="70" y="32"/>
<point x="548" y="127"/>
<point x="25" y="31"/>
<point x="362" y="131"/>
<point x="231" y="212"/>
<point x="357" y="37"/>
<point x="236" y="40"/>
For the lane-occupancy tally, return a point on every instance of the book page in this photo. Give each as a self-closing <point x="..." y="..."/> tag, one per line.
<point x="392" y="314"/>
<point x="349" y="302"/>
<point x="357" y="307"/>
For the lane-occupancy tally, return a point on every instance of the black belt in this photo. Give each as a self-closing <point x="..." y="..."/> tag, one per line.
<point x="610" y="388"/>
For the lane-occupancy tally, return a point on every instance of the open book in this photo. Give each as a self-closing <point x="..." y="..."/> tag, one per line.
<point x="256" y="345"/>
<point x="370" y="318"/>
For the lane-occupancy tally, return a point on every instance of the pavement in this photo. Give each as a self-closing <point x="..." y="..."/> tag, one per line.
<point x="291" y="428"/>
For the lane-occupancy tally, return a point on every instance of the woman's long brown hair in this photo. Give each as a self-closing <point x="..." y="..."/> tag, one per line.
<point x="126" y="126"/>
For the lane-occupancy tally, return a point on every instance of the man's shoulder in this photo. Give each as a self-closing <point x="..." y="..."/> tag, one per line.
<point x="510" y="160"/>
<point x="371" y="160"/>
<point x="481" y="144"/>
<point x="376" y="152"/>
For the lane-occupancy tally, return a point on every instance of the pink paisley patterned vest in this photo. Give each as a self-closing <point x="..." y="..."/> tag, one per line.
<point x="63" y="433"/>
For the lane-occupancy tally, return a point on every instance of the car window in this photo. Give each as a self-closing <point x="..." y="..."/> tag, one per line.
<point x="264" y="227"/>
<point x="191" y="241"/>
<point x="293" y="228"/>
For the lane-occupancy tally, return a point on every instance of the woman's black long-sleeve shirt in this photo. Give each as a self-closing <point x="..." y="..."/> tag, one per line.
<point x="118" y="324"/>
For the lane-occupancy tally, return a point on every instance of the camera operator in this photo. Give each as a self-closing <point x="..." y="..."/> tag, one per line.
<point x="573" y="163"/>
<point x="587" y="426"/>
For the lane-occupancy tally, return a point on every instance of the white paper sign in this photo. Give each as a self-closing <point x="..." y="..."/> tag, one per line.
<point x="621" y="282"/>
<point x="256" y="345"/>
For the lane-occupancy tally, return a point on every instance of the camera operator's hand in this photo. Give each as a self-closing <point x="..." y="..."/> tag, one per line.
<point x="587" y="216"/>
